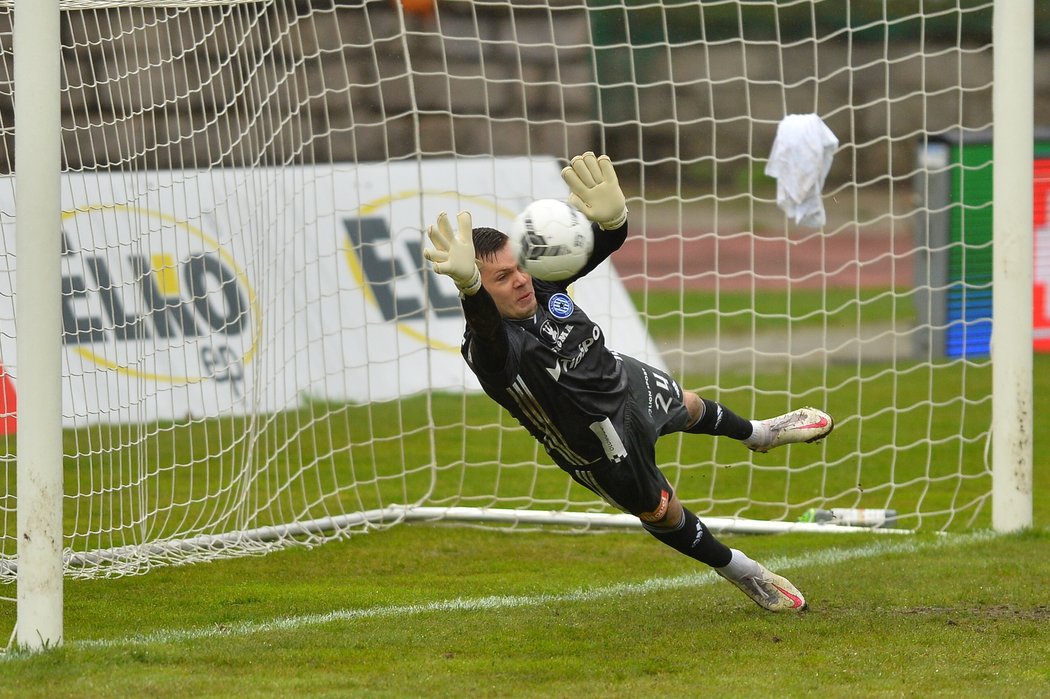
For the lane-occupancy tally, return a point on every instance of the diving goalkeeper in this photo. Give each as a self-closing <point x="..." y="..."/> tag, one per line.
<point x="597" y="413"/>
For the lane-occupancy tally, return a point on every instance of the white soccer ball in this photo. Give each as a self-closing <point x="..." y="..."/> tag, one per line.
<point x="551" y="239"/>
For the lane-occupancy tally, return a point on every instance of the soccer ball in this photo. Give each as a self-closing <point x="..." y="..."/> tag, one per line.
<point x="551" y="239"/>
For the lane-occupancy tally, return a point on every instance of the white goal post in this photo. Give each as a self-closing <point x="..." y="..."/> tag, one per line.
<point x="221" y="339"/>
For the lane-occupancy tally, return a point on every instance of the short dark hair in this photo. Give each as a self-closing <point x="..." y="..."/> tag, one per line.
<point x="488" y="242"/>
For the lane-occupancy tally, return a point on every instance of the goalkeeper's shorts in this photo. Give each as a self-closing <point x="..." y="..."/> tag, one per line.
<point x="634" y="483"/>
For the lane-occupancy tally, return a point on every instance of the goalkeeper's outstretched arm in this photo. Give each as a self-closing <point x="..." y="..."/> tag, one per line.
<point x="454" y="256"/>
<point x="595" y="190"/>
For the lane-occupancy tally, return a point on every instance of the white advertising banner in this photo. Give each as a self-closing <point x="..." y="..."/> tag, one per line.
<point x="240" y="291"/>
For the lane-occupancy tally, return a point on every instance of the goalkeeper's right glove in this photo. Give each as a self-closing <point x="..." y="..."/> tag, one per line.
<point x="453" y="252"/>
<point x="595" y="190"/>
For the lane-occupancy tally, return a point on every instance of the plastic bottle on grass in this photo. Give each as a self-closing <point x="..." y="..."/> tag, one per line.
<point x="851" y="516"/>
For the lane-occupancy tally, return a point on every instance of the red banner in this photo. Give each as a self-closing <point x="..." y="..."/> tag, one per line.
<point x="1041" y="281"/>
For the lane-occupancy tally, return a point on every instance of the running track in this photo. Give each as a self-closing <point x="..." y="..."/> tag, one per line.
<point x="663" y="258"/>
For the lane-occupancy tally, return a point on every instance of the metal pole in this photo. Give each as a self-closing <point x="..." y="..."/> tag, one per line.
<point x="1012" y="405"/>
<point x="38" y="321"/>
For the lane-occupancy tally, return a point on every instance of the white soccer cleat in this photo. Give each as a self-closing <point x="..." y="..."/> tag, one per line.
<point x="802" y="425"/>
<point x="770" y="591"/>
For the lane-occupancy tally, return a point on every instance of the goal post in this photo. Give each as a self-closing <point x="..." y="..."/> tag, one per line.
<point x="38" y="324"/>
<point x="252" y="355"/>
<point x="1012" y="395"/>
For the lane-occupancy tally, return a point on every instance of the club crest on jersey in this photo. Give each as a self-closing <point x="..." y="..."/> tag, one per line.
<point x="560" y="305"/>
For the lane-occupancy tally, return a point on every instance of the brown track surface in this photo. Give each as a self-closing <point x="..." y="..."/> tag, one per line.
<point x="695" y="246"/>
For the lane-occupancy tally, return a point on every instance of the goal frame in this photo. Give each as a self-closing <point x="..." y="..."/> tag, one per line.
<point x="39" y="459"/>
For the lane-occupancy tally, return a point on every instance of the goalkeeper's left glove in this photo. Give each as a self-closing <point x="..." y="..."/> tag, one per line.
<point x="453" y="252"/>
<point x="595" y="190"/>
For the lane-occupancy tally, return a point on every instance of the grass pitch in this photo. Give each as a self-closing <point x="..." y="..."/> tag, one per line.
<point x="432" y="611"/>
<point x="452" y="611"/>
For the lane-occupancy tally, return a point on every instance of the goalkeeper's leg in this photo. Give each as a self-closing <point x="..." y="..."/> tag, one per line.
<point x="637" y="486"/>
<point x="684" y="532"/>
<point x="802" y="425"/>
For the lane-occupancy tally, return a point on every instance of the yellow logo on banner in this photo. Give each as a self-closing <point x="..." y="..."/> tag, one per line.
<point x="384" y="251"/>
<point x="154" y="297"/>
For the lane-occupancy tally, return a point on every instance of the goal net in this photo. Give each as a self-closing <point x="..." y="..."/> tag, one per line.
<point x="255" y="356"/>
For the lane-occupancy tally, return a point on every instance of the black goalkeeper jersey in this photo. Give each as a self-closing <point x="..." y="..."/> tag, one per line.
<point x="552" y="371"/>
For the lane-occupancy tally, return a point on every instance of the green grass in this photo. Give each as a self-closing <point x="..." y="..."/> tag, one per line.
<point x="677" y="314"/>
<point x="905" y="427"/>
<point x="449" y="611"/>
<point x="374" y="617"/>
<point x="908" y="438"/>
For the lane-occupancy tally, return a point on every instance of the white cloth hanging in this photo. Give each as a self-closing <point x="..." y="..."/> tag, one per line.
<point x="800" y="161"/>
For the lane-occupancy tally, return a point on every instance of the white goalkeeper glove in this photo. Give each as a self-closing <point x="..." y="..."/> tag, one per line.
<point x="453" y="252"/>
<point x="595" y="190"/>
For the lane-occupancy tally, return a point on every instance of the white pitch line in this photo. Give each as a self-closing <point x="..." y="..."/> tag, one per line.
<point x="825" y="557"/>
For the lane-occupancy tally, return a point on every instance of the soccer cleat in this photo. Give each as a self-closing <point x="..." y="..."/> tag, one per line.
<point x="769" y="590"/>
<point x="802" y="425"/>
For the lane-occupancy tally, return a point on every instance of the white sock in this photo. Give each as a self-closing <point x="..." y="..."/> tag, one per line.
<point x="739" y="566"/>
<point x="759" y="434"/>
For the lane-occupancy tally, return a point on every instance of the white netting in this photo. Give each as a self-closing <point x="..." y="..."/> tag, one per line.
<point x="256" y="356"/>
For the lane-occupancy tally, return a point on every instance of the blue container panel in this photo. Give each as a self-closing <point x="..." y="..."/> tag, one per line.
<point x="969" y="316"/>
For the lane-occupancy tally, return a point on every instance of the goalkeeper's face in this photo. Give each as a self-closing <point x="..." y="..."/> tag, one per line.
<point x="508" y="284"/>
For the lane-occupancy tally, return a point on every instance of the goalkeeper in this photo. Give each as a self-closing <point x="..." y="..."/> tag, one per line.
<point x="597" y="413"/>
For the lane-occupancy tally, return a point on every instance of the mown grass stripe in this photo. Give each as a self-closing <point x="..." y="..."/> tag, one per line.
<point x="825" y="557"/>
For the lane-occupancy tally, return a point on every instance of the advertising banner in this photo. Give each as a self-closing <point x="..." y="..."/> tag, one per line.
<point x="242" y="291"/>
